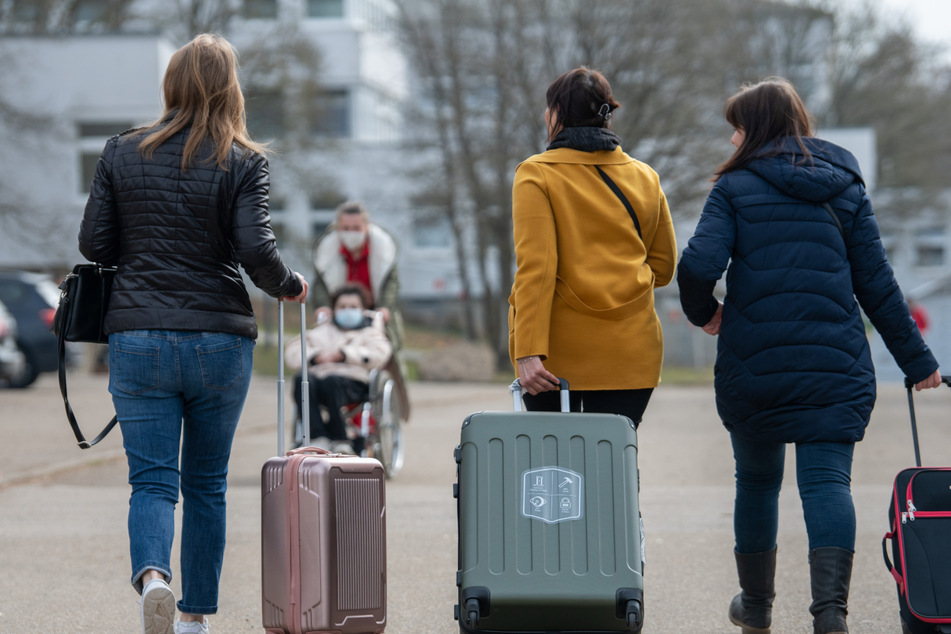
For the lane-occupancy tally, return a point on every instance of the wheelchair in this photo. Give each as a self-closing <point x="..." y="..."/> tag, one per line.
<point x="377" y="421"/>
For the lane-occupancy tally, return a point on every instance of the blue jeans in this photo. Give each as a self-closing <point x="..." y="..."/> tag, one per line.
<point x="179" y="390"/>
<point x="823" y="472"/>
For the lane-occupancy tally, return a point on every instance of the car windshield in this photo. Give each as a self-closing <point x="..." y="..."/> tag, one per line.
<point x="48" y="290"/>
<point x="6" y="320"/>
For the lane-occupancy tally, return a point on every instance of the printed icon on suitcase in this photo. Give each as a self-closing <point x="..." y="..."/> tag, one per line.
<point x="552" y="494"/>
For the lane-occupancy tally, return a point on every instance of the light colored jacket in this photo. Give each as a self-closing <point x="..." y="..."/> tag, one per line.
<point x="364" y="349"/>
<point x="331" y="268"/>
<point x="583" y="294"/>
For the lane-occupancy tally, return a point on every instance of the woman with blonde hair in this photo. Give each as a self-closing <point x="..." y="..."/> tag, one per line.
<point x="178" y="207"/>
<point x="790" y="221"/>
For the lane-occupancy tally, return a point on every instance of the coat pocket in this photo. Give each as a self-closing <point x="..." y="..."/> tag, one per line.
<point x="615" y="313"/>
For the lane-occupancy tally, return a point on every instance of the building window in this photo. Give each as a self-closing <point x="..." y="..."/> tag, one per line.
<point x="276" y="204"/>
<point x="92" y="137"/>
<point x="265" y="113"/>
<point x="432" y="232"/>
<point x="318" y="228"/>
<point x="332" y="114"/>
<point x="89" y="11"/>
<point x="88" y="161"/>
<point x="104" y="129"/>
<point x="328" y="199"/>
<point x="324" y="8"/>
<point x="27" y="11"/>
<point x="260" y="9"/>
<point x="929" y="255"/>
<point x="280" y="235"/>
<point x="930" y="247"/>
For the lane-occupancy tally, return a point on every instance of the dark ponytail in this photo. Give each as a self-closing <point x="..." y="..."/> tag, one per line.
<point x="581" y="98"/>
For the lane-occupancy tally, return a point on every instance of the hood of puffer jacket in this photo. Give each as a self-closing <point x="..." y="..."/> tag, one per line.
<point x="816" y="178"/>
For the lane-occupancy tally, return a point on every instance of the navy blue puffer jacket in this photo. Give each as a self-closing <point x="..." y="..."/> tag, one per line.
<point x="793" y="361"/>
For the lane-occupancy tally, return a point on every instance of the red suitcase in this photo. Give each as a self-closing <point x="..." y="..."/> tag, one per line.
<point x="323" y="535"/>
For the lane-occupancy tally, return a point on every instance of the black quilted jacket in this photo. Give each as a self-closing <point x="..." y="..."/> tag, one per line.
<point x="178" y="237"/>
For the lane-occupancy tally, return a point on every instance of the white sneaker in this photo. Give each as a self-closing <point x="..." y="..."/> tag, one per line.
<point x="158" y="608"/>
<point x="192" y="627"/>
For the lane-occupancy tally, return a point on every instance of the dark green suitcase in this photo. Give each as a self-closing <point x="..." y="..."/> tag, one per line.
<point x="549" y="523"/>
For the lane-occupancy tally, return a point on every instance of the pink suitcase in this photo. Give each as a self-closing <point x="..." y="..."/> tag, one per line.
<point x="323" y="535"/>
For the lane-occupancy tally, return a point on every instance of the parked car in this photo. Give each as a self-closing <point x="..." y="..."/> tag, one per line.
<point x="32" y="299"/>
<point x="11" y="359"/>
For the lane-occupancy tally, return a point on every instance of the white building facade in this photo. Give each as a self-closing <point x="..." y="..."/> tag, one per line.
<point x="68" y="95"/>
<point x="79" y="90"/>
<point x="357" y="146"/>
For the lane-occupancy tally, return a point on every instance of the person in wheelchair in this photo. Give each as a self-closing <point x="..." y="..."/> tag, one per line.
<point x="341" y="352"/>
<point x="354" y="250"/>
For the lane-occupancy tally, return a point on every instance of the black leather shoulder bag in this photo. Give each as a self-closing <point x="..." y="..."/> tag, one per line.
<point x="79" y="318"/>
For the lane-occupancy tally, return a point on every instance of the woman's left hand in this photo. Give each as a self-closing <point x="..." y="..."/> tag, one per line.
<point x="932" y="381"/>
<point x="533" y="376"/>
<point x="712" y="327"/>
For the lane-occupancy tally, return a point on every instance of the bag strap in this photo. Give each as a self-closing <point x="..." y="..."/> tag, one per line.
<point x="627" y="204"/>
<point x="83" y="443"/>
<point x="835" y="219"/>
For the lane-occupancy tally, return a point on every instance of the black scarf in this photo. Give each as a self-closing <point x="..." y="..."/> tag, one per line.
<point x="586" y="139"/>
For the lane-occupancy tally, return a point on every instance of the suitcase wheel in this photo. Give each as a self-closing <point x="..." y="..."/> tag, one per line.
<point x="634" y="616"/>
<point x="472" y="612"/>
<point x="475" y="604"/>
<point x="630" y="603"/>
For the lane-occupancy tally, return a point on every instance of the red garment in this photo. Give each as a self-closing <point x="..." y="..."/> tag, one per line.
<point x="920" y="315"/>
<point x="358" y="268"/>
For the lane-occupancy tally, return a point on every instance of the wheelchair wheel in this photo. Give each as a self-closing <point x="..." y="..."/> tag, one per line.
<point x="389" y="442"/>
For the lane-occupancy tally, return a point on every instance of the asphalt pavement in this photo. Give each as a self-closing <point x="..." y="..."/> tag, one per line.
<point x="64" y="550"/>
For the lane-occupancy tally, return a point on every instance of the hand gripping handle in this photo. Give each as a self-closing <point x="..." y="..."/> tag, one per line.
<point x="909" y="386"/>
<point x="516" y="388"/>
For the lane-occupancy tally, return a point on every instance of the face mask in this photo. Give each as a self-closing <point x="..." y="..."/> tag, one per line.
<point x="349" y="318"/>
<point x="352" y="240"/>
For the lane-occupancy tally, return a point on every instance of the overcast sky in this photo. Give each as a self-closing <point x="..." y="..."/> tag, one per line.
<point x="930" y="18"/>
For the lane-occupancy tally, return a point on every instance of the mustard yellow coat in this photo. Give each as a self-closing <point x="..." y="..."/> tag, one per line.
<point x="583" y="295"/>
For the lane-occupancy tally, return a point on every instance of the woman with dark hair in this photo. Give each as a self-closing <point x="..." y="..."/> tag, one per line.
<point x="593" y="238"/>
<point x="178" y="206"/>
<point x="790" y="221"/>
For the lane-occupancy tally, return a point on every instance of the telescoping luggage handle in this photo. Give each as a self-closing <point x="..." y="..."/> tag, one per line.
<point x="305" y="385"/>
<point x="516" y="388"/>
<point x="909" y="384"/>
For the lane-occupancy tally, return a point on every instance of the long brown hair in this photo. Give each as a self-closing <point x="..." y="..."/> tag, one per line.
<point x="201" y="90"/>
<point x="765" y="112"/>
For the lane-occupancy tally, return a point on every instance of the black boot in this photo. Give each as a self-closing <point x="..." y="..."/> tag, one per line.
<point x="830" y="570"/>
<point x="752" y="609"/>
